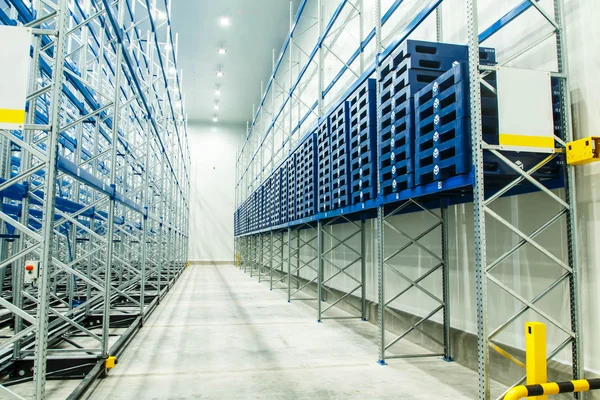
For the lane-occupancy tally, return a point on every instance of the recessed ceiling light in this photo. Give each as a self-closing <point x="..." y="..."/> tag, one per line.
<point x="222" y="50"/>
<point x="216" y="107"/>
<point x="220" y="73"/>
<point x="217" y="92"/>
<point x="215" y="119"/>
<point x="225" y="21"/>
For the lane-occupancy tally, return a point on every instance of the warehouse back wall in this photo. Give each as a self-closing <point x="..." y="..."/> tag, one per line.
<point x="212" y="148"/>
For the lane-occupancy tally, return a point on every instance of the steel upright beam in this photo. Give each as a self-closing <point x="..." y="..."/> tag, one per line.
<point x="41" y="342"/>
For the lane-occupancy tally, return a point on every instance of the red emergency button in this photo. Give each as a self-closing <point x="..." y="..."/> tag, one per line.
<point x="29" y="268"/>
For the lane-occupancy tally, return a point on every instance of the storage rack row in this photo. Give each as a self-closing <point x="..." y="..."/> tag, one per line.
<point x="95" y="188"/>
<point x="425" y="118"/>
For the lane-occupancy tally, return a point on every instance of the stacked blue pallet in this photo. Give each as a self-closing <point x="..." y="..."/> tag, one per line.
<point x="410" y="68"/>
<point x="260" y="207"/>
<point x="306" y="180"/>
<point x="243" y="218"/>
<point x="442" y="127"/>
<point x="267" y="204"/>
<point x="362" y="112"/>
<point x="252" y="212"/>
<point x="291" y="187"/>
<point x="283" y="177"/>
<point x="258" y="212"/>
<point x="235" y="222"/>
<point x="276" y="199"/>
<point x="324" y="165"/>
<point x="340" y="157"/>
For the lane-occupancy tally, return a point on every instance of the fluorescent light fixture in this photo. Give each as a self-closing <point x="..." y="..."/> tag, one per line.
<point x="217" y="92"/>
<point x="216" y="107"/>
<point x="220" y="73"/>
<point x="215" y="119"/>
<point x="222" y="50"/>
<point x="225" y="21"/>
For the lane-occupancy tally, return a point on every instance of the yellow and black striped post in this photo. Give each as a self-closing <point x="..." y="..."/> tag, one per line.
<point x="535" y="355"/>
<point x="546" y="389"/>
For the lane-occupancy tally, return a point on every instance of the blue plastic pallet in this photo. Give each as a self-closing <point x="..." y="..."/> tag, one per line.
<point x="284" y="191"/>
<point x="324" y="166"/>
<point x="306" y="178"/>
<point x="426" y="55"/>
<point x="291" y="187"/>
<point x="363" y="142"/>
<point x="267" y="204"/>
<point x="340" y="152"/>
<point x="276" y="193"/>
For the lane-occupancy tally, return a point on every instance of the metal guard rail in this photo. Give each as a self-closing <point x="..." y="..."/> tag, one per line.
<point x="551" y="388"/>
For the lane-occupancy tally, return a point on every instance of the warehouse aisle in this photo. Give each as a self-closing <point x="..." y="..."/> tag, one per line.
<point x="221" y="335"/>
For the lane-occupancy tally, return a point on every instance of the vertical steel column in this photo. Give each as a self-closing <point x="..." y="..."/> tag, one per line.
<point x="289" y="264"/>
<point x="271" y="262"/>
<point x="446" y="283"/>
<point x="478" y="200"/>
<point x="113" y="181"/>
<point x="291" y="79"/>
<point x="570" y="197"/>
<point x="363" y="270"/>
<point x="261" y="257"/>
<point x="321" y="65"/>
<point x="380" y="212"/>
<point x="26" y="158"/>
<point x="146" y="201"/>
<point x="41" y="340"/>
<point x="320" y="266"/>
<point x="361" y="33"/>
<point x="439" y="23"/>
<point x="161" y="229"/>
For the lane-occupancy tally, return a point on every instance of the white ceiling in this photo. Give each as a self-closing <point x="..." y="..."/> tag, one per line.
<point x="257" y="27"/>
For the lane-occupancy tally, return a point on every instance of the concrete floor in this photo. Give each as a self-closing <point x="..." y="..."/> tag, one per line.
<point x="221" y="335"/>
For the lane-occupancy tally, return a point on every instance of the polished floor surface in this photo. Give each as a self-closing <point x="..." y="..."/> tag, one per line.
<point x="221" y="335"/>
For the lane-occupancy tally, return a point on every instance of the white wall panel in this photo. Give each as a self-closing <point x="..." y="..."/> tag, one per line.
<point x="213" y="149"/>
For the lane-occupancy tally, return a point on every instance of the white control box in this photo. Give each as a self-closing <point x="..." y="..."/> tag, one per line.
<point x="32" y="271"/>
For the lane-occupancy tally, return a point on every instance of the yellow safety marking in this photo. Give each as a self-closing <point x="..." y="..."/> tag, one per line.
<point x="526" y="141"/>
<point x="8" y="116"/>
<point x="583" y="151"/>
<point x="535" y="355"/>
<point x="110" y="362"/>
<point x="516" y="393"/>
<point x="507" y="355"/>
<point x="581" y="385"/>
<point x="551" y="388"/>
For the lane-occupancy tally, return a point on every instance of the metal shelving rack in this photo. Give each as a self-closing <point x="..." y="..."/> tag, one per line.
<point x="104" y="157"/>
<point x="296" y="116"/>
